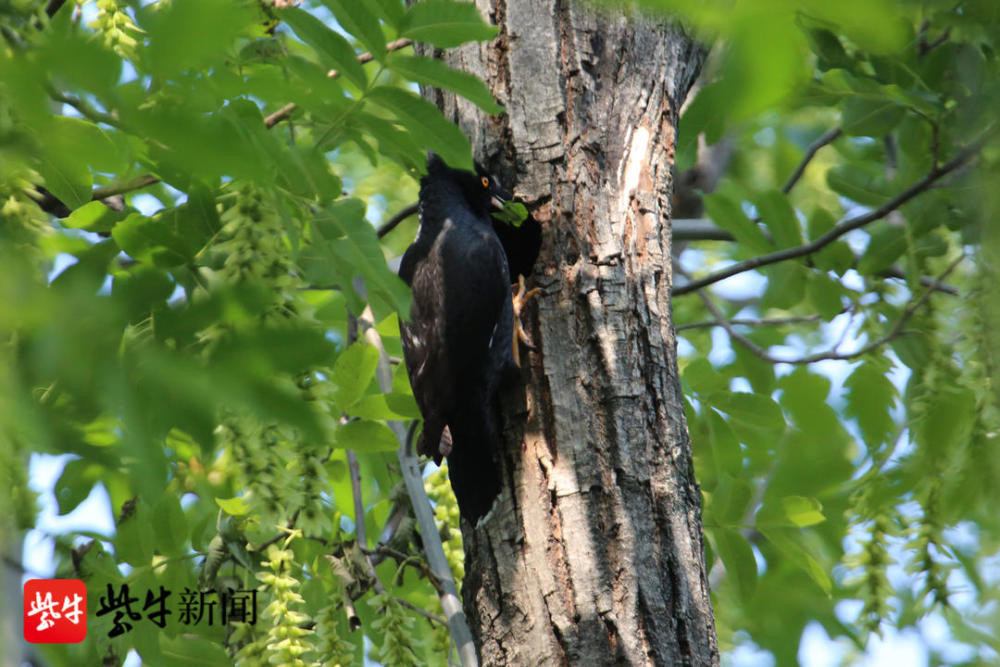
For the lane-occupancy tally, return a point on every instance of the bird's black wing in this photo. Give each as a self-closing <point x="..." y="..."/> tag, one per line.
<point x="424" y="344"/>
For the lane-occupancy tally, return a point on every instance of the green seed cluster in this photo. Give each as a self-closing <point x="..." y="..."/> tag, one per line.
<point x="287" y="639"/>
<point x="331" y="647"/>
<point x="395" y="623"/>
<point x="447" y="516"/>
<point x="117" y="28"/>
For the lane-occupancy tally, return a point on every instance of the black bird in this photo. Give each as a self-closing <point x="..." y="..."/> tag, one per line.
<point x="458" y="343"/>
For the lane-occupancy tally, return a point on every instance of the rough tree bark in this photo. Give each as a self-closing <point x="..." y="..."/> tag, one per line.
<point x="594" y="553"/>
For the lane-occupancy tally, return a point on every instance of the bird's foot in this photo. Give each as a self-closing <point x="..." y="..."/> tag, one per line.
<point x="444" y="446"/>
<point x="519" y="299"/>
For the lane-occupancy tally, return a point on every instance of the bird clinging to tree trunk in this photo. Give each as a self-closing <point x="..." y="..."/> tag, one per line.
<point x="458" y="343"/>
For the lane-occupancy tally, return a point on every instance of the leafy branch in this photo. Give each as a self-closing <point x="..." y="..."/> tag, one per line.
<point x="839" y="230"/>
<point x="831" y="354"/>
<point x="287" y="110"/>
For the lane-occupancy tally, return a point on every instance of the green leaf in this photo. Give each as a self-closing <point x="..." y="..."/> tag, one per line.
<point x="384" y="406"/>
<point x="394" y="143"/>
<point x="233" y="506"/>
<point x="756" y="419"/>
<point x="946" y="419"/>
<point x="787" y="541"/>
<point x="76" y="482"/>
<point x="66" y="176"/>
<point x="93" y="216"/>
<point x="730" y="500"/>
<point x="779" y="216"/>
<point x="803" y="511"/>
<point x="887" y="244"/>
<point x="190" y="651"/>
<point x="392" y="11"/>
<point x="728" y="215"/>
<point x="825" y="293"/>
<point x="445" y="24"/>
<point x="355" y="18"/>
<point x="870" y="398"/>
<point x="737" y="556"/>
<point x="140" y="289"/>
<point x="836" y="256"/>
<point x="151" y="240"/>
<point x="859" y="184"/>
<point x="334" y="50"/>
<point x="513" y="213"/>
<point x="352" y="373"/>
<point x="85" y="141"/>
<point x="786" y="285"/>
<point x="827" y="46"/>
<point x="344" y="246"/>
<point x="76" y="60"/>
<point x="433" y="72"/>
<point x="871" y="117"/>
<point x="190" y="34"/>
<point x="428" y="126"/>
<point x="725" y="447"/>
<point x="171" y="525"/>
<point x="135" y="539"/>
<point x="703" y="377"/>
<point x="365" y="436"/>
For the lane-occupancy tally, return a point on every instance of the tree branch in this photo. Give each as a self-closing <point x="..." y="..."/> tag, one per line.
<point x="85" y="108"/>
<point x="394" y="221"/>
<point x="839" y="230"/>
<point x="137" y="183"/>
<point x="703" y="229"/>
<point x="828" y="137"/>
<point x="832" y="353"/>
<point x="751" y="322"/>
<point x="423" y="612"/>
<point x="287" y="110"/>
<point x="360" y="532"/>
<point x="436" y="560"/>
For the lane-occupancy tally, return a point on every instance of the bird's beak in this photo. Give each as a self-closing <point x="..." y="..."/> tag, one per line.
<point x="499" y="197"/>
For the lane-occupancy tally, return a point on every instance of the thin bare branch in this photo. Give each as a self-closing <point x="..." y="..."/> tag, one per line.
<point x="360" y="532"/>
<point x="394" y="221"/>
<point x="831" y="354"/>
<point x="436" y="560"/>
<point x="137" y="183"/>
<point x="751" y="322"/>
<point x="423" y="612"/>
<point x="85" y="108"/>
<point x="703" y="229"/>
<point x="287" y="110"/>
<point x="839" y="230"/>
<point x="828" y="138"/>
<point x="697" y="229"/>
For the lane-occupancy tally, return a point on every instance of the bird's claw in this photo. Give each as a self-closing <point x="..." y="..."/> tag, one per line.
<point x="519" y="299"/>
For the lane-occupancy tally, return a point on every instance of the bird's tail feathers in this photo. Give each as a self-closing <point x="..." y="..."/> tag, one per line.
<point x="473" y="471"/>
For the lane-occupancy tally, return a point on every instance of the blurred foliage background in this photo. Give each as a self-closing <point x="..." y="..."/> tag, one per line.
<point x="190" y="190"/>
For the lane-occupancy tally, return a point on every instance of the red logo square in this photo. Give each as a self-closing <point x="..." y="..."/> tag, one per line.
<point x="55" y="611"/>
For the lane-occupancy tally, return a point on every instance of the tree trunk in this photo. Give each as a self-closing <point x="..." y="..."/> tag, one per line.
<point x="594" y="551"/>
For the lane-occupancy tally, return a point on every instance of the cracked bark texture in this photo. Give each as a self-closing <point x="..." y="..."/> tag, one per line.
<point x="594" y="553"/>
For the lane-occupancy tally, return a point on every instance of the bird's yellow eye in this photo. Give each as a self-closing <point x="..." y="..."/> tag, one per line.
<point x="485" y="181"/>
